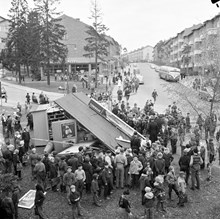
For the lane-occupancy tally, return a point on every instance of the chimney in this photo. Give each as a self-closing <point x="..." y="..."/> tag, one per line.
<point x="77" y="19"/>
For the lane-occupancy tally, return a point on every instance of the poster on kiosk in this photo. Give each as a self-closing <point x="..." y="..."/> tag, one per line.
<point x="64" y="134"/>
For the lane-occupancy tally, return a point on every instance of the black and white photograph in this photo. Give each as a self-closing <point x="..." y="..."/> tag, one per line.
<point x="110" y="109"/>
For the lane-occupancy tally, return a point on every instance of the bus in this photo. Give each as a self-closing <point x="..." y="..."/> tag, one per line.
<point x="169" y="73"/>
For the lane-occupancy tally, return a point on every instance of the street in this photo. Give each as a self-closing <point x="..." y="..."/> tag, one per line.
<point x="16" y="93"/>
<point x="151" y="82"/>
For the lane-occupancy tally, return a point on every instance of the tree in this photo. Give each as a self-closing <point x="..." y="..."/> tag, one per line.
<point x="159" y="53"/>
<point x="210" y="59"/>
<point x="186" y="57"/>
<point x="16" y="41"/>
<point x="97" y="44"/>
<point x="33" y="35"/>
<point x="52" y="33"/>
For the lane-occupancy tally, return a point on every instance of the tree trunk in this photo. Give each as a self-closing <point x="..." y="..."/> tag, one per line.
<point x="96" y="68"/>
<point x="28" y="70"/>
<point x="214" y="94"/>
<point x="19" y="73"/>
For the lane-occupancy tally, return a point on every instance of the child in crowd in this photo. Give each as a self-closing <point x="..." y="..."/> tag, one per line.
<point x="124" y="205"/>
<point x="144" y="182"/>
<point x="159" y="193"/>
<point x="149" y="203"/>
<point x="171" y="179"/>
<point x="95" y="189"/>
<point x="182" y="189"/>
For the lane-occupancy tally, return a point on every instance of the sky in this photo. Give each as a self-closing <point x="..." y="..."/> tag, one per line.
<point x="137" y="23"/>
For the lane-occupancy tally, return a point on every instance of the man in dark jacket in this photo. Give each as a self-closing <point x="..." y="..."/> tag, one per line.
<point x="124" y="205"/>
<point x="135" y="143"/>
<point x="107" y="178"/>
<point x="39" y="200"/>
<point x="8" y="211"/>
<point x="184" y="164"/>
<point x="75" y="201"/>
<point x="153" y="130"/>
<point x="159" y="164"/>
<point x="26" y="137"/>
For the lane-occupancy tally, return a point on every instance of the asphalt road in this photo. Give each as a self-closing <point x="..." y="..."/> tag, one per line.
<point x="16" y="93"/>
<point x="151" y="82"/>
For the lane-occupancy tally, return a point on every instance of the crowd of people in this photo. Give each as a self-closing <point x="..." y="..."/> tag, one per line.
<point x="147" y="166"/>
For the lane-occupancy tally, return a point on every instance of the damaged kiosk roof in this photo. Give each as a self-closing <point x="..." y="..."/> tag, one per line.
<point x="102" y="123"/>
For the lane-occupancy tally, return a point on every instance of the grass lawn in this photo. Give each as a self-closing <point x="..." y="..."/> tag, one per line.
<point x="53" y="87"/>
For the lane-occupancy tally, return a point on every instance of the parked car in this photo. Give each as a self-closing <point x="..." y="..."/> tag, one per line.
<point x="140" y="78"/>
<point x="152" y="66"/>
<point x="3" y="92"/>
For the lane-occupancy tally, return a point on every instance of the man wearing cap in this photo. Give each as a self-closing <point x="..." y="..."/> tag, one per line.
<point x="75" y="202"/>
<point x="195" y="162"/>
<point x="120" y="162"/>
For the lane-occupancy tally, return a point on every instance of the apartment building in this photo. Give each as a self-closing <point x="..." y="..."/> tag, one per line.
<point x="196" y="37"/>
<point x="4" y="26"/>
<point x="144" y="54"/>
<point x="75" y="40"/>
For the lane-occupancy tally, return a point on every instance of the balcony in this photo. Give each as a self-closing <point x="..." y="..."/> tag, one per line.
<point x="212" y="31"/>
<point x="197" y="52"/>
<point x="197" y="40"/>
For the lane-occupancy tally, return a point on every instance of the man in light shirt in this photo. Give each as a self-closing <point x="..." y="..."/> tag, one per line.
<point x="108" y="159"/>
<point x="80" y="179"/>
<point x="120" y="162"/>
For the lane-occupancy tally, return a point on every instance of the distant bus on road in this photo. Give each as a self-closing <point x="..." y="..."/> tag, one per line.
<point x="169" y="73"/>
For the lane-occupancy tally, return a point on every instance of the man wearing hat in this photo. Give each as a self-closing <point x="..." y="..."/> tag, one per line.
<point x="75" y="202"/>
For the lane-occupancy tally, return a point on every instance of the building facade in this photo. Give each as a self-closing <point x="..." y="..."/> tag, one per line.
<point x="4" y="27"/>
<point x="197" y="38"/>
<point x="144" y="54"/>
<point x="75" y="40"/>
